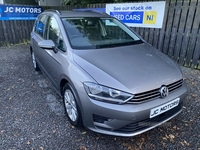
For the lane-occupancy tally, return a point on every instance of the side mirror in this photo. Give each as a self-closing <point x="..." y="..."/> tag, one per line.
<point x="47" y="44"/>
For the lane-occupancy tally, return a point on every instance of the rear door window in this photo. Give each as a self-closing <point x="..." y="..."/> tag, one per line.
<point x="40" y="25"/>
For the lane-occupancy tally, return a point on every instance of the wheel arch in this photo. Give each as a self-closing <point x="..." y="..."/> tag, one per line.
<point x="31" y="49"/>
<point x="65" y="81"/>
<point x="62" y="84"/>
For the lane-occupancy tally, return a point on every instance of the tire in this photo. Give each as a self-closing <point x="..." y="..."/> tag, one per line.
<point x="70" y="104"/>
<point x="35" y="65"/>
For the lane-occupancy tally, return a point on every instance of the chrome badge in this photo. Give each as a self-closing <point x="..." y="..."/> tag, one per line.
<point x="164" y="91"/>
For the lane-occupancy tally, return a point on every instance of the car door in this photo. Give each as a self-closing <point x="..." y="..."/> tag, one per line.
<point x="55" y="59"/>
<point x="36" y="36"/>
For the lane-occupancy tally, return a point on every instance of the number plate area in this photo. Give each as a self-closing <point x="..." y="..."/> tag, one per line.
<point x="163" y="108"/>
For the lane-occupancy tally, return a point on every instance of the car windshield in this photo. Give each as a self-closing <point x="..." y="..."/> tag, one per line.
<point x="96" y="33"/>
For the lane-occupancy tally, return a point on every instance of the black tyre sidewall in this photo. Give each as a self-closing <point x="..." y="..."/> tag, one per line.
<point x="78" y="121"/>
<point x="37" y="67"/>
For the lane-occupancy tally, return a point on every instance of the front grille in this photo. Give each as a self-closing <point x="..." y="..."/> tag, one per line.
<point x="144" y="124"/>
<point x="145" y="96"/>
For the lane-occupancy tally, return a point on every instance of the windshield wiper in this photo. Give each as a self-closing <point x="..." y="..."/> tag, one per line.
<point x="119" y="44"/>
<point x="106" y="46"/>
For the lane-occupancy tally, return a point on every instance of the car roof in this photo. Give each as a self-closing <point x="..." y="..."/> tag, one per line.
<point x="77" y="13"/>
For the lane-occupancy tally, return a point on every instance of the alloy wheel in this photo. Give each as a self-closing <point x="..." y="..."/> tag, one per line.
<point x="70" y="105"/>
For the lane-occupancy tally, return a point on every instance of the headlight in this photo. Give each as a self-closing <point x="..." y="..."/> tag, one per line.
<point x="102" y="93"/>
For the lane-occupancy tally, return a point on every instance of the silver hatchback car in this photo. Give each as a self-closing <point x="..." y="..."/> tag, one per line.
<point x="111" y="80"/>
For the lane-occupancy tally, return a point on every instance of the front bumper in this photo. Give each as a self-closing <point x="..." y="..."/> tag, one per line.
<point x="128" y="119"/>
<point x="136" y="128"/>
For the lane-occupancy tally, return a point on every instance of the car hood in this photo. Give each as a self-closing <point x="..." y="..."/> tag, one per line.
<point x="133" y="69"/>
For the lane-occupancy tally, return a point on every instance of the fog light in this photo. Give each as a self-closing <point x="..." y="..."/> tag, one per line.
<point x="100" y="119"/>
